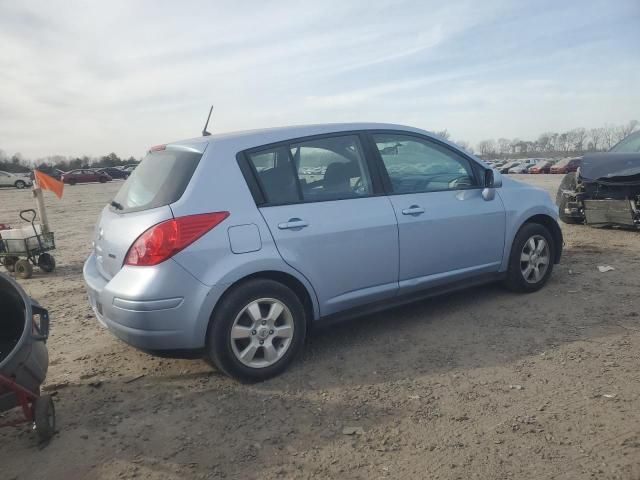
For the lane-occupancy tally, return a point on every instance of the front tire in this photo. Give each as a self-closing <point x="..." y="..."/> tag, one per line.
<point x="23" y="269"/>
<point x="20" y="184"/>
<point x="531" y="259"/>
<point x="256" y="331"/>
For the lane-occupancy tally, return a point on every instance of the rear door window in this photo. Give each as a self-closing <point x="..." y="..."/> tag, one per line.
<point x="328" y="168"/>
<point x="160" y="179"/>
<point x="276" y="175"/>
<point x="331" y="168"/>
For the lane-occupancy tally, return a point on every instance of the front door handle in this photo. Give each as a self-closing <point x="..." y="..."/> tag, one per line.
<point x="413" y="210"/>
<point x="293" y="224"/>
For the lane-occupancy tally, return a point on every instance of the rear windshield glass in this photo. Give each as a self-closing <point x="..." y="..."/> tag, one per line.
<point x="160" y="179"/>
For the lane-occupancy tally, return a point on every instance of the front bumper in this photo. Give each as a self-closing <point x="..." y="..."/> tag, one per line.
<point x="152" y="308"/>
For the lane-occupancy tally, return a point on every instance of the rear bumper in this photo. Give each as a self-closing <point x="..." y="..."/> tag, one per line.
<point x="152" y="308"/>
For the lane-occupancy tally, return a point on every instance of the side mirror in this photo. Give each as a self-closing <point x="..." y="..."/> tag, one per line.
<point x="492" y="180"/>
<point x="488" y="178"/>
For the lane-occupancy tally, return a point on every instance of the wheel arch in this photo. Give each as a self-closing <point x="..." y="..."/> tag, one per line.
<point x="552" y="225"/>
<point x="295" y="284"/>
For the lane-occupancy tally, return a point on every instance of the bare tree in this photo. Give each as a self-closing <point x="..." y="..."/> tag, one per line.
<point x="486" y="147"/>
<point x="521" y="146"/>
<point x="626" y="130"/>
<point x="597" y="137"/>
<point x="503" y="145"/>
<point x="544" y="143"/>
<point x="463" y="144"/>
<point x="576" y="138"/>
<point x="563" y="142"/>
<point x="443" y="134"/>
<point x="609" y="136"/>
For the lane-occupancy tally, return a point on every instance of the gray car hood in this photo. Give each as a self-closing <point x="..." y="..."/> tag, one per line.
<point x="618" y="168"/>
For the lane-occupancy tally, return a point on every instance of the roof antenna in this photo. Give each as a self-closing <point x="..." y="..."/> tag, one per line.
<point x="204" y="130"/>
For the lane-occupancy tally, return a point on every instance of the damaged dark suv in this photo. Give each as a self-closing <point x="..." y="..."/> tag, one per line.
<point x="605" y="191"/>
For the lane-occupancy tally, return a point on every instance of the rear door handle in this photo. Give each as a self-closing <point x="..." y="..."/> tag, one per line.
<point x="413" y="210"/>
<point x="293" y="224"/>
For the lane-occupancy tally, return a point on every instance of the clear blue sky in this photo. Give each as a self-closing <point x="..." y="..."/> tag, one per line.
<point x="93" y="77"/>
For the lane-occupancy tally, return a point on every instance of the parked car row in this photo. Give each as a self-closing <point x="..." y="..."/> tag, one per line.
<point x="536" y="165"/>
<point x="72" y="177"/>
<point x="100" y="175"/>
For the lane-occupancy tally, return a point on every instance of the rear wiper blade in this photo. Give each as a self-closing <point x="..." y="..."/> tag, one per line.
<point x="116" y="205"/>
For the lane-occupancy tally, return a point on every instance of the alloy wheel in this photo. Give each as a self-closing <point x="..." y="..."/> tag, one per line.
<point x="534" y="259"/>
<point x="262" y="333"/>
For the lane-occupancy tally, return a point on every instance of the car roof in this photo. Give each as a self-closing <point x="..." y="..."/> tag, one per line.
<point x="245" y="139"/>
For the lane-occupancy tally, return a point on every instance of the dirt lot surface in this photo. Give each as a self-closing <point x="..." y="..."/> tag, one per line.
<point x="479" y="384"/>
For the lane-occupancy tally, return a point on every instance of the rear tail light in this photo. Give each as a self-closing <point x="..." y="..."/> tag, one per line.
<point x="164" y="240"/>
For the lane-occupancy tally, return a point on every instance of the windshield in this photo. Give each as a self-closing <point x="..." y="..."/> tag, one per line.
<point x="160" y="179"/>
<point x="630" y="144"/>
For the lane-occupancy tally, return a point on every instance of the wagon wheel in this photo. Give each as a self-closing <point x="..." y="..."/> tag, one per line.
<point x="9" y="263"/>
<point x="23" y="269"/>
<point x="44" y="415"/>
<point x="47" y="263"/>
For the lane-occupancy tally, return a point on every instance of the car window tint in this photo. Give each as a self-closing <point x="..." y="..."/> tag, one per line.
<point x="331" y="168"/>
<point x="416" y="165"/>
<point x="276" y="175"/>
<point x="160" y="180"/>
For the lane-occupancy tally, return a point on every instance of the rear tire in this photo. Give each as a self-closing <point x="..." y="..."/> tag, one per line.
<point x="23" y="269"/>
<point x="46" y="263"/>
<point x="259" y="310"/>
<point x="44" y="413"/>
<point x="72" y="182"/>
<point x="519" y="279"/>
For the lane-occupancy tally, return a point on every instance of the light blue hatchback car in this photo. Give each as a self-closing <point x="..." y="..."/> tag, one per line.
<point x="236" y="244"/>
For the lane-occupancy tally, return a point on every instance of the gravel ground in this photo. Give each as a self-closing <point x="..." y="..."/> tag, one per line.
<point x="479" y="384"/>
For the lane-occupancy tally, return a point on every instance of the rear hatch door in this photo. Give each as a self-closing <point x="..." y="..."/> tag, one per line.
<point x="115" y="233"/>
<point x="142" y="202"/>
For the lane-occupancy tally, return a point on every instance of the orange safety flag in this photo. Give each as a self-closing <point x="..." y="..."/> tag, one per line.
<point x="46" y="182"/>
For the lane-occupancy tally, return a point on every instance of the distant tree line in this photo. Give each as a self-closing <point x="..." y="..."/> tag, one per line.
<point x="573" y="142"/>
<point x="16" y="163"/>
